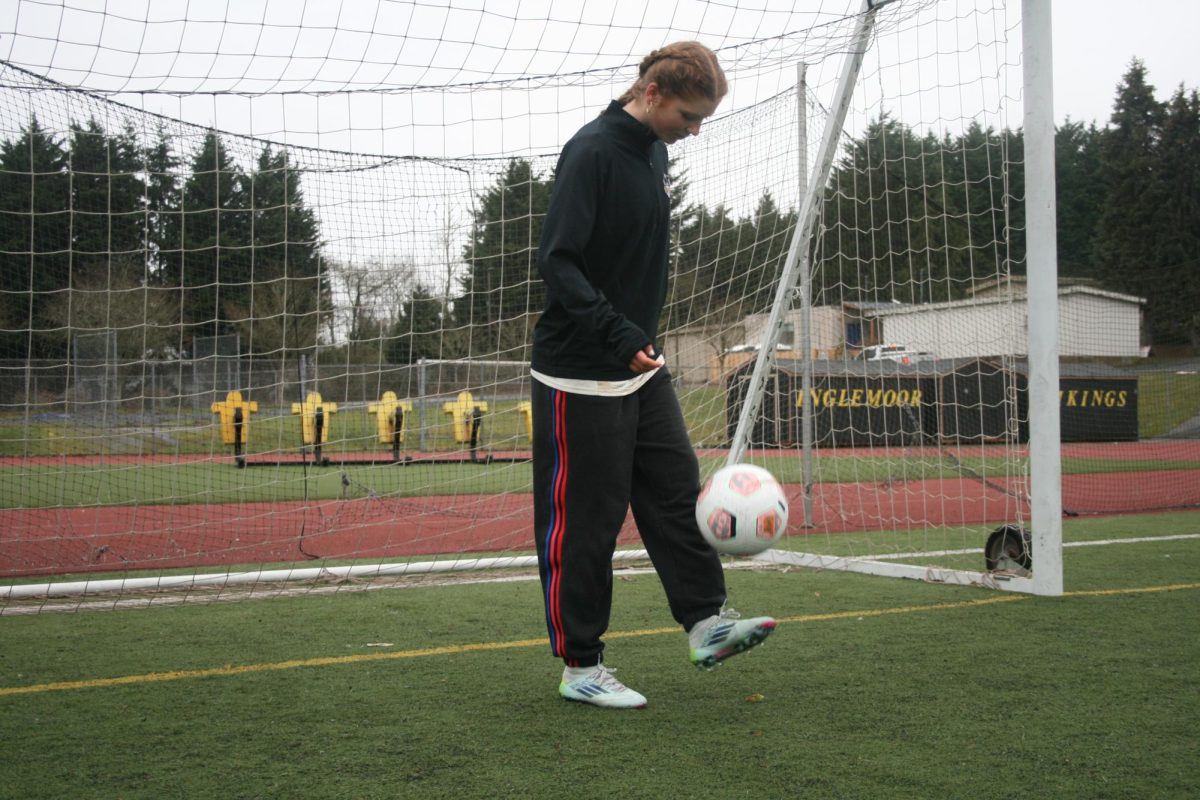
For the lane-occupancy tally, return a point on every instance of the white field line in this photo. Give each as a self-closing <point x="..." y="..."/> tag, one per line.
<point x="972" y="550"/>
<point x="165" y="598"/>
<point x="262" y="593"/>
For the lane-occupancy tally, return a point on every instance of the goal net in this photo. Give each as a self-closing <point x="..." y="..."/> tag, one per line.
<point x="306" y="246"/>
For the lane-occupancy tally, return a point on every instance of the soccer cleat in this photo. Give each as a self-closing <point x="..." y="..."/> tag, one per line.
<point x="723" y="635"/>
<point x="597" y="686"/>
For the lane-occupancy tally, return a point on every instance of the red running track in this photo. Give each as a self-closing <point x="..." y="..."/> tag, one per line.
<point x="107" y="538"/>
<point x="1148" y="450"/>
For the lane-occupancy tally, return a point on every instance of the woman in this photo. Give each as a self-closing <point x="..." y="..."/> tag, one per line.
<point x="608" y="430"/>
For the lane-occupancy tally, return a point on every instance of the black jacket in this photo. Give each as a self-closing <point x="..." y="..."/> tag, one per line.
<point x="603" y="252"/>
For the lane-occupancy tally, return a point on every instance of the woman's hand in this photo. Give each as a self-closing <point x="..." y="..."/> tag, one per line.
<point x="645" y="360"/>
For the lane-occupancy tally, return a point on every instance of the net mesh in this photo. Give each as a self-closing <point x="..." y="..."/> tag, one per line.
<point x="302" y="242"/>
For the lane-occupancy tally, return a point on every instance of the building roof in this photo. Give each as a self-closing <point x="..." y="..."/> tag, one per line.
<point x="871" y="306"/>
<point x="839" y="367"/>
<point x="844" y="368"/>
<point x="1018" y="281"/>
<point x="1063" y="291"/>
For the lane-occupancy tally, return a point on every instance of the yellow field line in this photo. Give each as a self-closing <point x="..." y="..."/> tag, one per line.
<point x="1173" y="587"/>
<point x="479" y="647"/>
<point x="212" y="672"/>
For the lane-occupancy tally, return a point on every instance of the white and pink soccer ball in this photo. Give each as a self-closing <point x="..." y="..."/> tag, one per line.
<point x="742" y="510"/>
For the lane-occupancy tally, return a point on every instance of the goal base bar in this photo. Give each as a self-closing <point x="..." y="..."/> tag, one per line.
<point x="988" y="580"/>
<point x="222" y="580"/>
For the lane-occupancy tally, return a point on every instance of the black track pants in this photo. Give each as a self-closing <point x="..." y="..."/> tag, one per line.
<point x="593" y="459"/>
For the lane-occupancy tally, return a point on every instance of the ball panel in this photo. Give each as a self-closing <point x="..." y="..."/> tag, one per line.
<point x="768" y="525"/>
<point x="742" y="499"/>
<point x="744" y="483"/>
<point x="721" y="524"/>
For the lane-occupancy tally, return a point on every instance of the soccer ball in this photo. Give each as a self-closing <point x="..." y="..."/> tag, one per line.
<point x="742" y="510"/>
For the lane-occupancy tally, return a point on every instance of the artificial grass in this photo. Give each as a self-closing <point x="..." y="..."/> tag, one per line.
<point x="870" y="688"/>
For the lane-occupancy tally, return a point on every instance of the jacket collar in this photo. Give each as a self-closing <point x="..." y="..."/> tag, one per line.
<point x="627" y="128"/>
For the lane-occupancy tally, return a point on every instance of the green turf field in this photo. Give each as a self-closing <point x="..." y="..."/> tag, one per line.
<point x="153" y="483"/>
<point x="871" y="688"/>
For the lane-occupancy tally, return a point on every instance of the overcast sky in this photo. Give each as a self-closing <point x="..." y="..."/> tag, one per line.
<point x="1094" y="41"/>
<point x="279" y="56"/>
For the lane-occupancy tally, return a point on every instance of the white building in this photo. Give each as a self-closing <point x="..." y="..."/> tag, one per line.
<point x="827" y="331"/>
<point x="1091" y="322"/>
<point x="992" y="322"/>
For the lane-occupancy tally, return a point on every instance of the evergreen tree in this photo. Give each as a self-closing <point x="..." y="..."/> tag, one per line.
<point x="163" y="205"/>
<point x="286" y="233"/>
<point x="107" y="196"/>
<point x="1128" y="216"/>
<point x="503" y="292"/>
<point x="681" y="211"/>
<point x="35" y="242"/>
<point x="917" y="220"/>
<point x="109" y="289"/>
<point x="772" y="238"/>
<point x="679" y="183"/>
<point x="1176" y="250"/>
<point x="212" y="269"/>
<point x="728" y="268"/>
<point x="706" y="290"/>
<point x="885" y="234"/>
<point x="424" y="329"/>
<point x="1147" y="236"/>
<point x="1079" y="196"/>
<point x="288" y="295"/>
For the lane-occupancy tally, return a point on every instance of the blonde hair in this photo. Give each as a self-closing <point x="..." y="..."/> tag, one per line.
<point x="685" y="70"/>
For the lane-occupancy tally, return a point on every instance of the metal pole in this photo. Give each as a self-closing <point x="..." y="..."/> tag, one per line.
<point x="421" y="389"/>
<point x="1045" y="466"/>
<point x="302" y="366"/>
<point x="806" y="355"/>
<point x="804" y="228"/>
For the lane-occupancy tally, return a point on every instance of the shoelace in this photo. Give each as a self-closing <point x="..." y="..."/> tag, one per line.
<point x="603" y="676"/>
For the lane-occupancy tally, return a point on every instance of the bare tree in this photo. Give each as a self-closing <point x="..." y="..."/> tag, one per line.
<point x="146" y="318"/>
<point x="371" y="296"/>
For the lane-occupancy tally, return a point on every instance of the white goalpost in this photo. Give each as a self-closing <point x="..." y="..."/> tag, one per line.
<point x="1045" y="501"/>
<point x="315" y="279"/>
<point x="1045" y="457"/>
